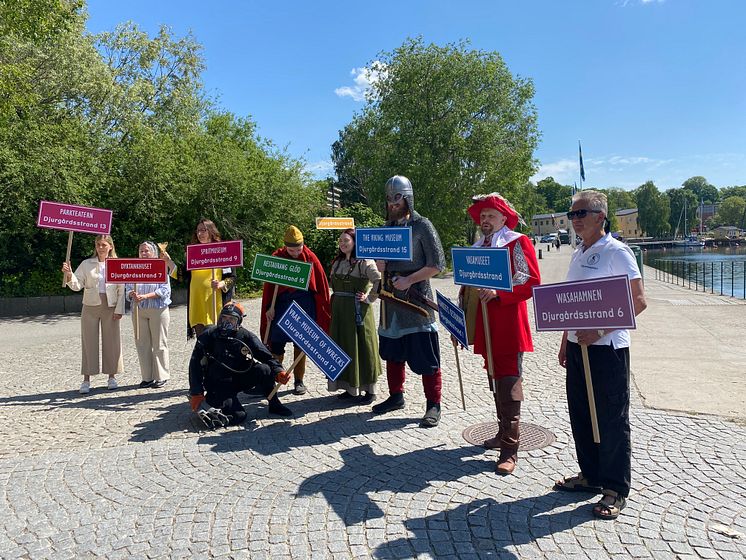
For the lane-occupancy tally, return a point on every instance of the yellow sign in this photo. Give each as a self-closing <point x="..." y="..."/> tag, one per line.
<point x="335" y="223"/>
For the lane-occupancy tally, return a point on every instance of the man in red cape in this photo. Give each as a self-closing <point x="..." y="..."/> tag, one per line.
<point x="315" y="301"/>
<point x="507" y="314"/>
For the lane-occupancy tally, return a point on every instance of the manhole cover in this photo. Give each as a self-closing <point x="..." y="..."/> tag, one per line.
<point x="532" y="436"/>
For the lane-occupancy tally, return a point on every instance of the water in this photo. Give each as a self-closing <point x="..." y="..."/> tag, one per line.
<point x="715" y="269"/>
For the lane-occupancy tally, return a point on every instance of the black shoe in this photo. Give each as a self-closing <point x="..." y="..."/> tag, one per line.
<point x="276" y="407"/>
<point x="367" y="398"/>
<point x="159" y="384"/>
<point x="144" y="384"/>
<point x="394" y="402"/>
<point x="299" y="388"/>
<point x="432" y="415"/>
<point x="344" y="396"/>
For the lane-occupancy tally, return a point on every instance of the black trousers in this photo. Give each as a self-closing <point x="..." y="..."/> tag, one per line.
<point x="607" y="464"/>
<point x="222" y="393"/>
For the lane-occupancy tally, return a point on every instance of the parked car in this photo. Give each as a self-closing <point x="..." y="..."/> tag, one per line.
<point x="549" y="238"/>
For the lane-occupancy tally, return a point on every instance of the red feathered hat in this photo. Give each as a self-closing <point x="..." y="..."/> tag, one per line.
<point x="499" y="203"/>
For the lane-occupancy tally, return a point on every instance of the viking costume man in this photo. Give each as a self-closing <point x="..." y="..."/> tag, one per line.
<point x="408" y="333"/>
<point x="510" y="332"/>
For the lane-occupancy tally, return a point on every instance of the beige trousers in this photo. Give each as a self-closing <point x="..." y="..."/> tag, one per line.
<point x="152" y="344"/>
<point x="93" y="318"/>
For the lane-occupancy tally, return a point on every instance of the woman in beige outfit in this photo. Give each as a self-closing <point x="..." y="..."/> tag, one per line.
<point x="103" y="307"/>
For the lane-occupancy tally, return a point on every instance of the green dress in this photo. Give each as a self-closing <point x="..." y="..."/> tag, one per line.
<point x="359" y="341"/>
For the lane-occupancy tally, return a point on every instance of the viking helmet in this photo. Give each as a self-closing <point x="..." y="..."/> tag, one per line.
<point x="401" y="186"/>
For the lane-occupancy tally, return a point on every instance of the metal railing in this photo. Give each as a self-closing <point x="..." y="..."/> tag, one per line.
<point x="713" y="276"/>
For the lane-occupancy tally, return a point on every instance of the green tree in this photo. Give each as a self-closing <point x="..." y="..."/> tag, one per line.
<point x="654" y="209"/>
<point x="727" y="192"/>
<point x="731" y="212"/>
<point x="618" y="199"/>
<point x="703" y="190"/>
<point x="453" y="120"/>
<point x="677" y="199"/>
<point x="558" y="197"/>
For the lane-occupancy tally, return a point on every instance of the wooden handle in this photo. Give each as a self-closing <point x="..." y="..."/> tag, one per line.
<point x="591" y="397"/>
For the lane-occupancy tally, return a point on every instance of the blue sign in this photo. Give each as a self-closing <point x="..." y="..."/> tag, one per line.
<point x="482" y="268"/>
<point x="452" y="318"/>
<point x="311" y="338"/>
<point x="384" y="243"/>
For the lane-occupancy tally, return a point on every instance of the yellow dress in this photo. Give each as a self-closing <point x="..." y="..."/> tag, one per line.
<point x="200" y="297"/>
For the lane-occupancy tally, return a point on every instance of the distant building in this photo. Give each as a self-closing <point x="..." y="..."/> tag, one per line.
<point x="548" y="223"/>
<point x="629" y="222"/>
<point x="727" y="231"/>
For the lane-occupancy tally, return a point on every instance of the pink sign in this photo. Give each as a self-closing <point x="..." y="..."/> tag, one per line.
<point x="136" y="271"/>
<point x="70" y="217"/>
<point x="223" y="254"/>
<point x="599" y="303"/>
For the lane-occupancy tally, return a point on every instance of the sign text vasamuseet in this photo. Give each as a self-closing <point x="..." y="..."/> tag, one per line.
<point x="136" y="271"/>
<point x="482" y="268"/>
<point x="221" y="254"/>
<point x="384" y="243"/>
<point x="313" y="341"/>
<point x="285" y="272"/>
<point x="598" y="303"/>
<point x="71" y="217"/>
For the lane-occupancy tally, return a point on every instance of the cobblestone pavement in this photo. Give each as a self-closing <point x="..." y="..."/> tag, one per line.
<point x="129" y="473"/>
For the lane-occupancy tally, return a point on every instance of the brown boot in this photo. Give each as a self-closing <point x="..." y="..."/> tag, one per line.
<point x="494" y="442"/>
<point x="510" y="393"/>
<point x="510" y="425"/>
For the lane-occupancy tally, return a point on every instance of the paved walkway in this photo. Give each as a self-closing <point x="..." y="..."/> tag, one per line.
<point x="129" y="474"/>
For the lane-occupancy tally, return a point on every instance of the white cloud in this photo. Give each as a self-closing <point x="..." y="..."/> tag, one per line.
<point x="320" y="169"/>
<point x="557" y="169"/>
<point x="625" y="3"/>
<point x="363" y="78"/>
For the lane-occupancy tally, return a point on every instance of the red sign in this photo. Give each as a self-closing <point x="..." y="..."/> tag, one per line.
<point x="71" y="217"/>
<point x="223" y="254"/>
<point x="136" y="271"/>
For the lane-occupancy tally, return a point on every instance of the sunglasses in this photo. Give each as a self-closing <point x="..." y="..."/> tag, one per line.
<point x="572" y="214"/>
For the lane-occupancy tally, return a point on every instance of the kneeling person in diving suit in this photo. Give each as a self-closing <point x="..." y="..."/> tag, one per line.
<point x="226" y="360"/>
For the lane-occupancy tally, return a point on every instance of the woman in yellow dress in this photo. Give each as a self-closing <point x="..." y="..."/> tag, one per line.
<point x="203" y="309"/>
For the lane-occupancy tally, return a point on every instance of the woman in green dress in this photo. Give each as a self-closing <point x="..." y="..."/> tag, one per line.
<point x="354" y="284"/>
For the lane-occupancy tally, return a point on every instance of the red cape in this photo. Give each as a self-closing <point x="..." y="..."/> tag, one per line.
<point x="317" y="285"/>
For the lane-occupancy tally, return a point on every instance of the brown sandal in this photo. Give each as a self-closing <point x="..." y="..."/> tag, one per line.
<point x="577" y="483"/>
<point x="606" y="509"/>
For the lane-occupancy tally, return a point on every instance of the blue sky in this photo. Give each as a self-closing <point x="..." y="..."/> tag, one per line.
<point x="654" y="89"/>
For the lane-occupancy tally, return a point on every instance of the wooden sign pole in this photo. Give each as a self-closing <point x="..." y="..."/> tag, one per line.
<point x="591" y="397"/>
<point x="460" y="380"/>
<point x="269" y="323"/>
<point x="290" y="370"/>
<point x="67" y="256"/>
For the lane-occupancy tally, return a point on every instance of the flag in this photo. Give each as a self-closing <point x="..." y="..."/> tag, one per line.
<point x="574" y="188"/>
<point x="580" y="155"/>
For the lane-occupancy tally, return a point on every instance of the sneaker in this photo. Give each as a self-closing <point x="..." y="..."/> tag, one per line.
<point x="144" y="384"/>
<point x="299" y="388"/>
<point x="160" y="383"/>
<point x="85" y="388"/>
<point x="112" y="384"/>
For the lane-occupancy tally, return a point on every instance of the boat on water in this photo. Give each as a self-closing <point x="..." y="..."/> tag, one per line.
<point x="689" y="242"/>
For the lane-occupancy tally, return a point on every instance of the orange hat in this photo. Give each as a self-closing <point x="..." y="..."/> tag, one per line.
<point x="499" y="203"/>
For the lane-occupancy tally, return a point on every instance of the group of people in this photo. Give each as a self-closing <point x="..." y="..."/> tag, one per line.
<point x="228" y="359"/>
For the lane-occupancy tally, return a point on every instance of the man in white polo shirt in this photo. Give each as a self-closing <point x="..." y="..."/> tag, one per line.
<point x="604" y="467"/>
